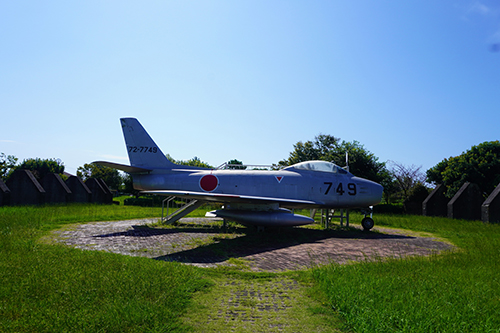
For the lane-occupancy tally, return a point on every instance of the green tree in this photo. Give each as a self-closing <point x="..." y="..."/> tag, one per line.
<point x="7" y="163"/>
<point x="111" y="177"/>
<point x="418" y="193"/>
<point x="362" y="163"/>
<point x="320" y="149"/>
<point x="406" y="178"/>
<point x="480" y="165"/>
<point x="195" y="161"/>
<point x="41" y="167"/>
<point x="235" y="165"/>
<point x="390" y="185"/>
<point x="128" y="185"/>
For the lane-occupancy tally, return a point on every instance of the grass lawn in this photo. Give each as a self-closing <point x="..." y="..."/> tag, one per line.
<point x="454" y="292"/>
<point x="47" y="287"/>
<point x="51" y="288"/>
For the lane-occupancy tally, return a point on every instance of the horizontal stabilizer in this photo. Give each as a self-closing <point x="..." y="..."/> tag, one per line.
<point x="123" y="167"/>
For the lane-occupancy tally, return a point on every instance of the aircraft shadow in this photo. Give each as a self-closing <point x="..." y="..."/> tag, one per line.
<point x="253" y="242"/>
<point x="146" y="231"/>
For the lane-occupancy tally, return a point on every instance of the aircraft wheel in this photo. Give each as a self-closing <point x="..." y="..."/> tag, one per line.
<point x="367" y="223"/>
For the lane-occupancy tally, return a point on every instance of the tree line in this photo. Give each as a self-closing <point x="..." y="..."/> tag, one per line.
<point x="480" y="164"/>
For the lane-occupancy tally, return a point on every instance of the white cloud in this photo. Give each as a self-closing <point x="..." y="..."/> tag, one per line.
<point x="480" y="8"/>
<point x="495" y="38"/>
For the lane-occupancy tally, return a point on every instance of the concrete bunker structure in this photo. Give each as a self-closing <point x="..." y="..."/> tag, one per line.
<point x="4" y="194"/>
<point x="490" y="209"/>
<point x="436" y="203"/>
<point x="81" y="192"/>
<point x="56" y="190"/>
<point x="466" y="204"/>
<point x="25" y="189"/>
<point x="100" y="191"/>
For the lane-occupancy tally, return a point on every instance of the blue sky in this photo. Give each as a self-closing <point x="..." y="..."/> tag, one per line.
<point x="413" y="81"/>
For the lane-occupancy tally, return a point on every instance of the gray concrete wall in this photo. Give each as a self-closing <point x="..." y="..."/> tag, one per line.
<point x="80" y="191"/>
<point x="98" y="192"/>
<point x="466" y="204"/>
<point x="436" y="203"/>
<point x="490" y="209"/>
<point x="25" y="189"/>
<point x="22" y="188"/>
<point x="4" y="194"/>
<point x="57" y="191"/>
<point x="109" y="194"/>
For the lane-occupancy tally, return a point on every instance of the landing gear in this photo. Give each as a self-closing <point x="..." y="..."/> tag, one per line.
<point x="367" y="223"/>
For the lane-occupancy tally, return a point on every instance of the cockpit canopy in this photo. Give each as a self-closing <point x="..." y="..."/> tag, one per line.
<point x="322" y="166"/>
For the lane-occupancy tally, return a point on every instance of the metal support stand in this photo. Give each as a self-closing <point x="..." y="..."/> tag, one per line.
<point x="168" y="200"/>
<point x="187" y="208"/>
<point x="327" y="216"/>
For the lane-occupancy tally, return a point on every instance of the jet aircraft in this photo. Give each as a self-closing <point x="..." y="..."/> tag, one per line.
<point x="261" y="198"/>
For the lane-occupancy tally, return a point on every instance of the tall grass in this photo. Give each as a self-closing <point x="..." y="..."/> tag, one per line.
<point x="455" y="292"/>
<point x="58" y="289"/>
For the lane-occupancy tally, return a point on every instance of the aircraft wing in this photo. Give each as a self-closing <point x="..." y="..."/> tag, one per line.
<point x="123" y="167"/>
<point x="218" y="197"/>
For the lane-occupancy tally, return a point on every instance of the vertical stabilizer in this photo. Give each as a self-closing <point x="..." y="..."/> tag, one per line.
<point x="142" y="150"/>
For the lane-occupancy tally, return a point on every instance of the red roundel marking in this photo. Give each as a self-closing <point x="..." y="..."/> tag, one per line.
<point x="209" y="183"/>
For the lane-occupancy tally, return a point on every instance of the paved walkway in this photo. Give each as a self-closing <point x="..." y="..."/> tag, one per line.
<point x="196" y="242"/>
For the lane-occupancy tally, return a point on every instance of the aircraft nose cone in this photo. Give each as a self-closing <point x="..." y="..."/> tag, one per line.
<point x="371" y="191"/>
<point x="376" y="192"/>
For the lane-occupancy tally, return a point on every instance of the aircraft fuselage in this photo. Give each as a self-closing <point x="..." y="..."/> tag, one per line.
<point x="325" y="189"/>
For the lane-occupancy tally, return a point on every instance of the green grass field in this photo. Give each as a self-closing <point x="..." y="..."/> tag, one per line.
<point x="454" y="292"/>
<point x="50" y="287"/>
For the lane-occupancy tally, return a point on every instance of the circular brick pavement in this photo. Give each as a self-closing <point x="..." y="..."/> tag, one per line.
<point x="196" y="241"/>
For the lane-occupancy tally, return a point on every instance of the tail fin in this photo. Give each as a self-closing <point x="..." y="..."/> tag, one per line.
<point x="142" y="150"/>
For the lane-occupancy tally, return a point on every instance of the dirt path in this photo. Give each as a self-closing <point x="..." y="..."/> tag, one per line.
<point x="197" y="243"/>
